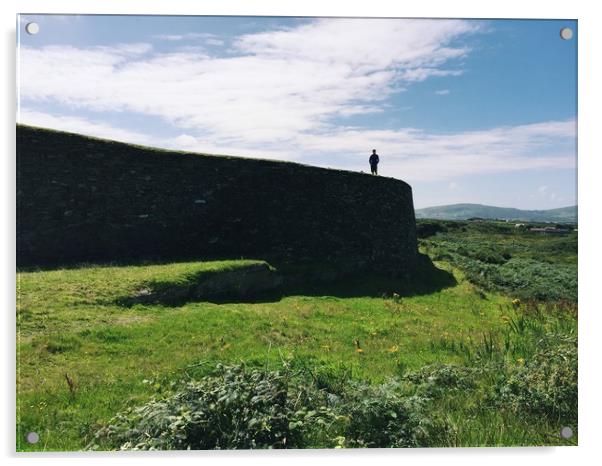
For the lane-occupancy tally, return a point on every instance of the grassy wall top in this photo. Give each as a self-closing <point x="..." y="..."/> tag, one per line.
<point x="86" y="199"/>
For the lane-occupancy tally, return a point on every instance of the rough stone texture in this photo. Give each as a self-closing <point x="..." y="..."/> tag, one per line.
<point x="83" y="199"/>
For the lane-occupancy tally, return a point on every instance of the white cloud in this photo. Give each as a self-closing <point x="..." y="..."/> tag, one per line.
<point x="278" y="94"/>
<point x="412" y="154"/>
<point x="545" y="193"/>
<point x="185" y="141"/>
<point x="442" y="92"/>
<point x="127" y="50"/>
<point x="169" y="37"/>
<point x="453" y="185"/>
<point x="83" y="126"/>
<point x="207" y="38"/>
<point x="216" y="42"/>
<point x="364" y="45"/>
<point x="274" y="86"/>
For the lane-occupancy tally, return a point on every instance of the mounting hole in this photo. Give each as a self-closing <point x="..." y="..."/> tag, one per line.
<point x="32" y="28"/>
<point x="566" y="432"/>
<point x="566" y="33"/>
<point x="32" y="437"/>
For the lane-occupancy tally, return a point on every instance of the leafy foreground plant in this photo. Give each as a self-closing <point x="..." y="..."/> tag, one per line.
<point x="437" y="380"/>
<point x="546" y="385"/>
<point x="240" y="408"/>
<point x="379" y="416"/>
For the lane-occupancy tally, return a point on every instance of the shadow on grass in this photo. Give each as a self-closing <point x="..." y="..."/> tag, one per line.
<point x="266" y="284"/>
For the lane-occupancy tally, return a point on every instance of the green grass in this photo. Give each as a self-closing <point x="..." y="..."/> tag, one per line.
<point x="71" y="325"/>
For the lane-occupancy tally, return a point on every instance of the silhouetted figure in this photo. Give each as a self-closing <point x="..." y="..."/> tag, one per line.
<point x="374" y="162"/>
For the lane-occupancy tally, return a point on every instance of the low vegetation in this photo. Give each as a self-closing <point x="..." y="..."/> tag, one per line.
<point x="530" y="386"/>
<point x="497" y="256"/>
<point x="365" y="361"/>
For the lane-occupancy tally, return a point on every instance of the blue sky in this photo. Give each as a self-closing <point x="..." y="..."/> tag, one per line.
<point x="464" y="110"/>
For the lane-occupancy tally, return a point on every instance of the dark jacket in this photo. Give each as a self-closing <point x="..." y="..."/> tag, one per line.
<point x="374" y="159"/>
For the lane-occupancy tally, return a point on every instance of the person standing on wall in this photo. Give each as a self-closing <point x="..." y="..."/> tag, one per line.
<point x="374" y="162"/>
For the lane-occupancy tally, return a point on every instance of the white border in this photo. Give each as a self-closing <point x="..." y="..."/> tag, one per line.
<point x="589" y="214"/>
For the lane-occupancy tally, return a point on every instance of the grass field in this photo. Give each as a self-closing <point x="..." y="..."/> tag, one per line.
<point x="88" y="349"/>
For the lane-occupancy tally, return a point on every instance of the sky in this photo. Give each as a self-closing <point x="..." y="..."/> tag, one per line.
<point x="479" y="111"/>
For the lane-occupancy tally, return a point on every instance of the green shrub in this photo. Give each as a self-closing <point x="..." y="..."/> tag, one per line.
<point x="518" y="277"/>
<point x="436" y="379"/>
<point x="426" y="228"/>
<point x="331" y="377"/>
<point x="381" y="416"/>
<point x="240" y="408"/>
<point x="496" y="257"/>
<point x="232" y="409"/>
<point x="546" y="384"/>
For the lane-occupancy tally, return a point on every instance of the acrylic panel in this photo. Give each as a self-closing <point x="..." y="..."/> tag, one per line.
<point x="280" y="232"/>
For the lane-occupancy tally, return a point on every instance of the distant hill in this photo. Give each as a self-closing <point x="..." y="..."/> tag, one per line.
<point x="466" y="211"/>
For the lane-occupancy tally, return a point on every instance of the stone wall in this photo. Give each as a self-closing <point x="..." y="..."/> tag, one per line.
<point x="88" y="200"/>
